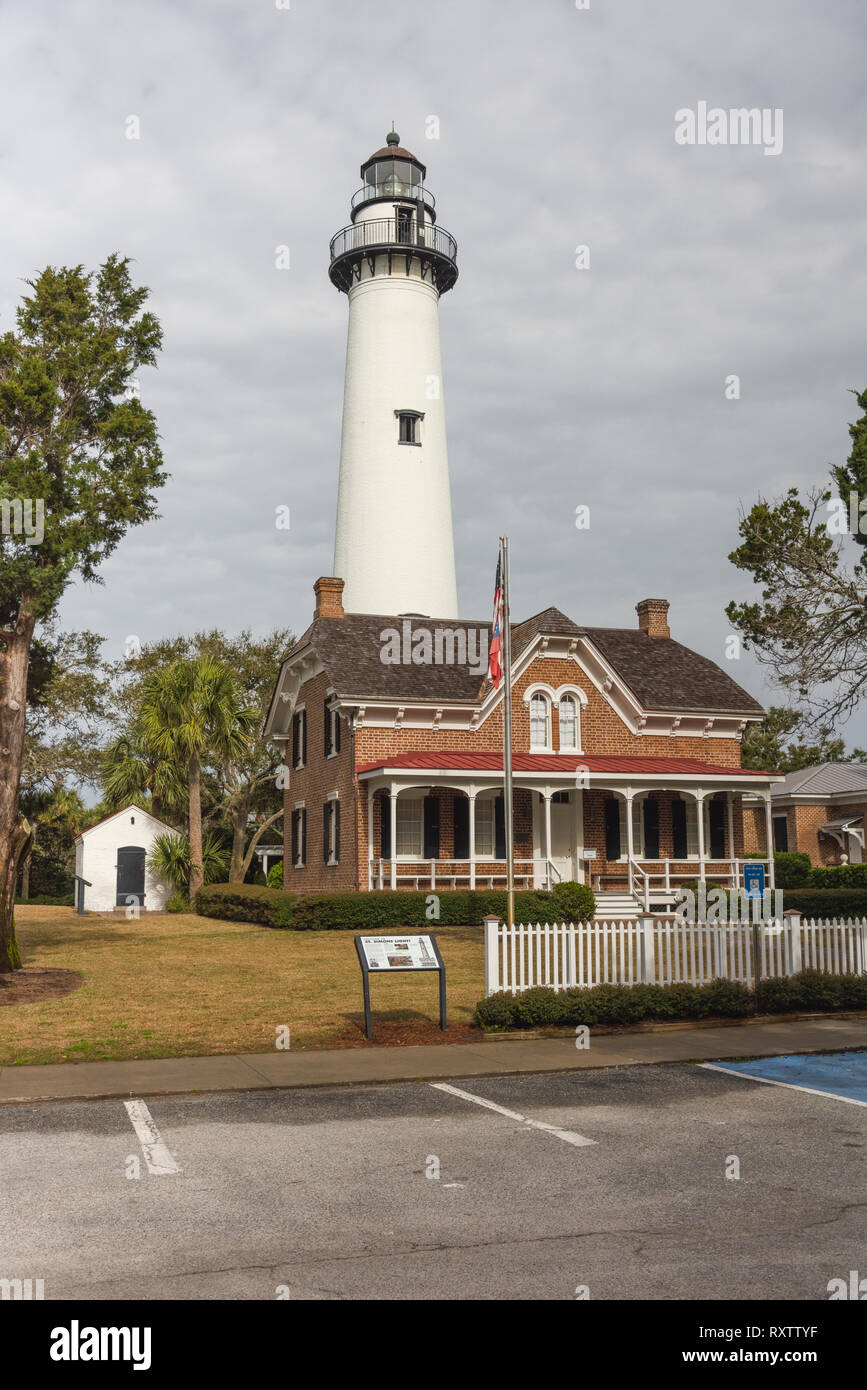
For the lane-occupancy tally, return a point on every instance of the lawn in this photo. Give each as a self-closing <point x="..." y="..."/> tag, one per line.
<point x="178" y="985"/>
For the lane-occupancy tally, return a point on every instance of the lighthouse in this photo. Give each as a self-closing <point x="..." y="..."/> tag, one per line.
<point x="394" y="547"/>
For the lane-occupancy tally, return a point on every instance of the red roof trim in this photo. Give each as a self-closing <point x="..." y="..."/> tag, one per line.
<point x="556" y="762"/>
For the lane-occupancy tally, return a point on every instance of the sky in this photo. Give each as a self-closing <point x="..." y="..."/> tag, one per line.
<point x="545" y="127"/>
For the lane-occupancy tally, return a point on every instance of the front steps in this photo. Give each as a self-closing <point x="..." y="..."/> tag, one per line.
<point x="617" y="905"/>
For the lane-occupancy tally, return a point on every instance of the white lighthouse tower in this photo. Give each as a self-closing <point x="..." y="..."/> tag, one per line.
<point x="394" y="547"/>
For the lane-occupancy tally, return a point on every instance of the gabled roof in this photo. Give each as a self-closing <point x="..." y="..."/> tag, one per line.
<point x="133" y="806"/>
<point x="661" y="673"/>
<point x="825" y="779"/>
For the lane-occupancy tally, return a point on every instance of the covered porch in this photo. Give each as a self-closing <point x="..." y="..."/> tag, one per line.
<point x="633" y="828"/>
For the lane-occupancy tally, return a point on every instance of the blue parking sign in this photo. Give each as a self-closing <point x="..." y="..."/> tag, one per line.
<point x="754" y="880"/>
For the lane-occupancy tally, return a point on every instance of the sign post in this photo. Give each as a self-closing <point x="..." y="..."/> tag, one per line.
<point x="397" y="955"/>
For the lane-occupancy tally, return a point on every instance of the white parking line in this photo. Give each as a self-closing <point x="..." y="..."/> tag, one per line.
<point x="156" y="1155"/>
<point x="788" y="1085"/>
<point x="565" y="1134"/>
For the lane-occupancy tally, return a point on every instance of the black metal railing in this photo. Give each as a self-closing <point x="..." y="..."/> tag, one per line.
<point x="393" y="188"/>
<point x="385" y="232"/>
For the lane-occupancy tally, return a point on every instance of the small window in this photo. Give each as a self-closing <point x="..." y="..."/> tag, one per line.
<point x="409" y="827"/>
<point x="484" y="829"/>
<point x="408" y="427"/>
<point x="568" y="723"/>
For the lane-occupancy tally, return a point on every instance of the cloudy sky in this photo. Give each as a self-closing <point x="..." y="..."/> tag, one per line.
<point x="602" y="387"/>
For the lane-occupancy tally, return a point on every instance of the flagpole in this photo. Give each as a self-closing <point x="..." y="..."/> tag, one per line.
<point x="507" y="738"/>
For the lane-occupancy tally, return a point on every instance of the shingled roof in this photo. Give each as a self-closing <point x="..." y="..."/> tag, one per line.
<point x="662" y="674"/>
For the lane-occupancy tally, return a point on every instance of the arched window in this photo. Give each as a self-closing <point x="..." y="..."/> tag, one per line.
<point x="569" y="739"/>
<point x="540" y="722"/>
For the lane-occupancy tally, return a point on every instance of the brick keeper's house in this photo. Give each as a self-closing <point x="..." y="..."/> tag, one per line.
<point x="626" y="757"/>
<point x="626" y="744"/>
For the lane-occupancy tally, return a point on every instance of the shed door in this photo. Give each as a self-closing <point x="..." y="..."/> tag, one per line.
<point x="130" y="874"/>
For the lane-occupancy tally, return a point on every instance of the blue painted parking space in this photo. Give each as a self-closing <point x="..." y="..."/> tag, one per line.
<point x="840" y="1074"/>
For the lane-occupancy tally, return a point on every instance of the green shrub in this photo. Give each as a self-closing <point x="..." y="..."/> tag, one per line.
<point x="494" y="1014"/>
<point x="775" y="996"/>
<point x="178" y="902"/>
<point x="379" y="910"/>
<point x="811" y="990"/>
<point x="853" y="991"/>
<point x="792" y="869"/>
<point x="839" y="876"/>
<point x="536" y="1007"/>
<point x="727" y="999"/>
<point x="245" y="902"/>
<point x="46" y="900"/>
<point x="275" y="875"/>
<point x="574" y="902"/>
<point x="827" y="902"/>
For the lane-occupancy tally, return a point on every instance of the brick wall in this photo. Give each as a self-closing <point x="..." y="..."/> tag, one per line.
<point x="312" y="784"/>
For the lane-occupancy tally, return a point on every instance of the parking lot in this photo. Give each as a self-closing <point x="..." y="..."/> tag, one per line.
<point x="653" y="1182"/>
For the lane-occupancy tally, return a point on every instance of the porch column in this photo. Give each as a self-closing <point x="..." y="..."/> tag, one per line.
<point x="699" y="815"/>
<point x="769" y="836"/>
<point x="471" y="797"/>
<point x="630" y="838"/>
<point x="547" y="795"/>
<point x="369" y="836"/>
<point x="730" y="802"/>
<point x="392" y="798"/>
<point x="578" y="862"/>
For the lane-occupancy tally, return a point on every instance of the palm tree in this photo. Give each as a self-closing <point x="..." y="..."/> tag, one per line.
<point x="132" y="772"/>
<point x="188" y="710"/>
<point x="170" y="859"/>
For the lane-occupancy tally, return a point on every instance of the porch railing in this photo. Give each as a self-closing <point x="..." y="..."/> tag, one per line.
<point x="448" y="873"/>
<point x="645" y="883"/>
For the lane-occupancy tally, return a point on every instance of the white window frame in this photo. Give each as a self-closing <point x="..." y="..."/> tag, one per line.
<point x="488" y="818"/>
<point x="543" y="699"/>
<point x="403" y="804"/>
<point x="575" y="746"/>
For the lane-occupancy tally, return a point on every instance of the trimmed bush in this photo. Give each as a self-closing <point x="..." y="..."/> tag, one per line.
<point x="574" y="902"/>
<point x="612" y="1005"/>
<point x="245" y="902"/>
<point x="839" y="876"/>
<point x="827" y="902"/>
<point x="46" y="900"/>
<point x="792" y="869"/>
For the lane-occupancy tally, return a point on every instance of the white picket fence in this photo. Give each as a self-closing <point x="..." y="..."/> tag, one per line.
<point x="664" y="950"/>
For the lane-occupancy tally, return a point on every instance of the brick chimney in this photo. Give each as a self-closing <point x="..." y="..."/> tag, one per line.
<point x="329" y="597"/>
<point x="653" y="617"/>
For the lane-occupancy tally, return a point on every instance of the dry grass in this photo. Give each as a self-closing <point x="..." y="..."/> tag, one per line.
<point x="182" y="986"/>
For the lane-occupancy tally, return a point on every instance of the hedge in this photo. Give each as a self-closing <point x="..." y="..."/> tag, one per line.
<point x="792" y="869"/>
<point x="271" y="907"/>
<point x="840" y="876"/>
<point x="46" y="900"/>
<point x="827" y="902"/>
<point x="810" y="991"/>
<point x="245" y="902"/>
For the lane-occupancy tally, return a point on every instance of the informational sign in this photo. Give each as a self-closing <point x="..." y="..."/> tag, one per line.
<point x="754" y="880"/>
<point x="395" y="955"/>
<point x="399" y="952"/>
<point x="588" y="854"/>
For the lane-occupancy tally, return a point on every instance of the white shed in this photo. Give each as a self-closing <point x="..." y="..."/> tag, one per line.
<point x="112" y="855"/>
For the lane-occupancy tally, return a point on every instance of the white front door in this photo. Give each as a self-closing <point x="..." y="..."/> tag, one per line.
<point x="567" y="839"/>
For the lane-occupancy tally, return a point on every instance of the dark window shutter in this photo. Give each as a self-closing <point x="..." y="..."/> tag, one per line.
<point x="326" y="724"/>
<point x="717" y="821"/>
<point x="462" y="827"/>
<point x="303" y="815"/>
<point x="296" y="719"/>
<point x="303" y="741"/>
<point x="336" y="733"/>
<point x="612" y="828"/>
<point x="335" y="811"/>
<point x="500" y="828"/>
<point x="678" y="828"/>
<point x="431" y="827"/>
<point x="385" y="826"/>
<point x="294" y="837"/>
<point x="651" y="828"/>
<point x="326" y="829"/>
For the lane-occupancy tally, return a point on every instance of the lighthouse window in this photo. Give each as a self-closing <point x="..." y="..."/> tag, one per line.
<point x="408" y="426"/>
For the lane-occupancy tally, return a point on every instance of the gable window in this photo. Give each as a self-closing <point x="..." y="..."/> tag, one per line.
<point x="569" y="739"/>
<point x="540" y="722"/>
<point x="299" y="738"/>
<point x="331" y="721"/>
<point x="408" y="426"/>
<point x="331" y="831"/>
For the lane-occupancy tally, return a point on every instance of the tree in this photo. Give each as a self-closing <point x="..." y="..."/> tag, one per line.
<point x="190" y="709"/>
<point x="170" y="859"/>
<point x="242" y="788"/>
<point x="810" y="625"/>
<point x="79" y="464"/>
<point x="770" y="747"/>
<point x="67" y="696"/>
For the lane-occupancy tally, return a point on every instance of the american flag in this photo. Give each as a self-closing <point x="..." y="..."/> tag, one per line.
<point x="495" y="666"/>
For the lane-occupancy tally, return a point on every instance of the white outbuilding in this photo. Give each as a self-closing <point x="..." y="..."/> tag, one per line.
<point x="112" y="856"/>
